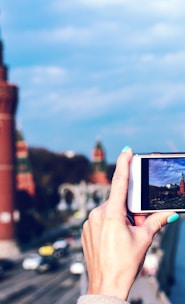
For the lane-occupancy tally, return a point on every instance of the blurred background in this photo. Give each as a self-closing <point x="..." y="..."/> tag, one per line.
<point x="79" y="80"/>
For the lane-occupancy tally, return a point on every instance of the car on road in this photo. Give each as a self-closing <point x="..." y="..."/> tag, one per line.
<point x="77" y="266"/>
<point x="47" y="263"/>
<point x="32" y="261"/>
<point x="46" y="250"/>
<point x="61" y="248"/>
<point x="39" y="263"/>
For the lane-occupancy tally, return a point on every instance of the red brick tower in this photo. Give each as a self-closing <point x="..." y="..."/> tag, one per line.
<point x="182" y="185"/>
<point x="99" y="168"/>
<point x="8" y="104"/>
<point x="24" y="176"/>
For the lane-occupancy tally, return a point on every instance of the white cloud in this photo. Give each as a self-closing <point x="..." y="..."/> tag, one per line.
<point x="87" y="3"/>
<point x="166" y="8"/>
<point x="135" y="25"/>
<point x="173" y="59"/>
<point x="169" y="95"/>
<point x="102" y="3"/>
<point x="40" y="75"/>
<point x="94" y="103"/>
<point x="169" y="59"/>
<point x="124" y="69"/>
<point x="84" y="34"/>
<point x="66" y="34"/>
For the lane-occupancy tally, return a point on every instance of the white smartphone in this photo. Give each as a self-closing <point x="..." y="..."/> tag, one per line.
<point x="157" y="183"/>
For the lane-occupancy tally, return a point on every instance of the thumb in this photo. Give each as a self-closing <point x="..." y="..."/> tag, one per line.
<point x="157" y="220"/>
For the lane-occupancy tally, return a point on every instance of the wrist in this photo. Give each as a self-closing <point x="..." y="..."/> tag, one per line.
<point x="113" y="290"/>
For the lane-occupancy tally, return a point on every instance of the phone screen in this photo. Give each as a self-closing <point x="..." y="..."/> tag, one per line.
<point x="162" y="183"/>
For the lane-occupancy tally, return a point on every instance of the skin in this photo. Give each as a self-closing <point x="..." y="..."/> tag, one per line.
<point x="114" y="249"/>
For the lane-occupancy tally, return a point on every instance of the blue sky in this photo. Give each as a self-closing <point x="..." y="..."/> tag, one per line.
<point x="88" y="69"/>
<point x="167" y="171"/>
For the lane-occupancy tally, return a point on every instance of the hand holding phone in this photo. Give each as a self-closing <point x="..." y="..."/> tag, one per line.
<point x="157" y="183"/>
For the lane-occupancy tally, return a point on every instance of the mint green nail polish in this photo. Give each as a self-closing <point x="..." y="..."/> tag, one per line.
<point x="172" y="218"/>
<point x="125" y="148"/>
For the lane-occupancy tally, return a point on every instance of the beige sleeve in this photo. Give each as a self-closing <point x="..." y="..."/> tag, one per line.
<point x="100" y="299"/>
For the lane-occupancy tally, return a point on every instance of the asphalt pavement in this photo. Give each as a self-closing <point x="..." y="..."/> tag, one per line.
<point x="145" y="291"/>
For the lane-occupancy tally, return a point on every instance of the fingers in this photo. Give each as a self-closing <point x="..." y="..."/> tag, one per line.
<point x="156" y="221"/>
<point x="139" y="219"/>
<point x="118" y="193"/>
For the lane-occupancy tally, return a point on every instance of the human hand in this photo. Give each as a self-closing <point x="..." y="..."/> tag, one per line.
<point x="114" y="249"/>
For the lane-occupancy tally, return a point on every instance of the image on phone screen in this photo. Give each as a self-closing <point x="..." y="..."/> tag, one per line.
<point x="163" y="183"/>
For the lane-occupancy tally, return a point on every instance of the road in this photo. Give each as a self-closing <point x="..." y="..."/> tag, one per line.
<point x="27" y="287"/>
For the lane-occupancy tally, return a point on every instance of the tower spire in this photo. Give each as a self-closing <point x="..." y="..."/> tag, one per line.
<point x="1" y="44"/>
<point x="3" y="68"/>
<point x="0" y="26"/>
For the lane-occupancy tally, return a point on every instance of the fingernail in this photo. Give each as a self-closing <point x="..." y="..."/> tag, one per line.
<point x="172" y="218"/>
<point x="125" y="148"/>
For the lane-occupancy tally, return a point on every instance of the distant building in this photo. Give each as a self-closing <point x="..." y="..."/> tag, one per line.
<point x="8" y="106"/>
<point x="99" y="166"/>
<point x="87" y="195"/>
<point x="182" y="185"/>
<point x="24" y="176"/>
